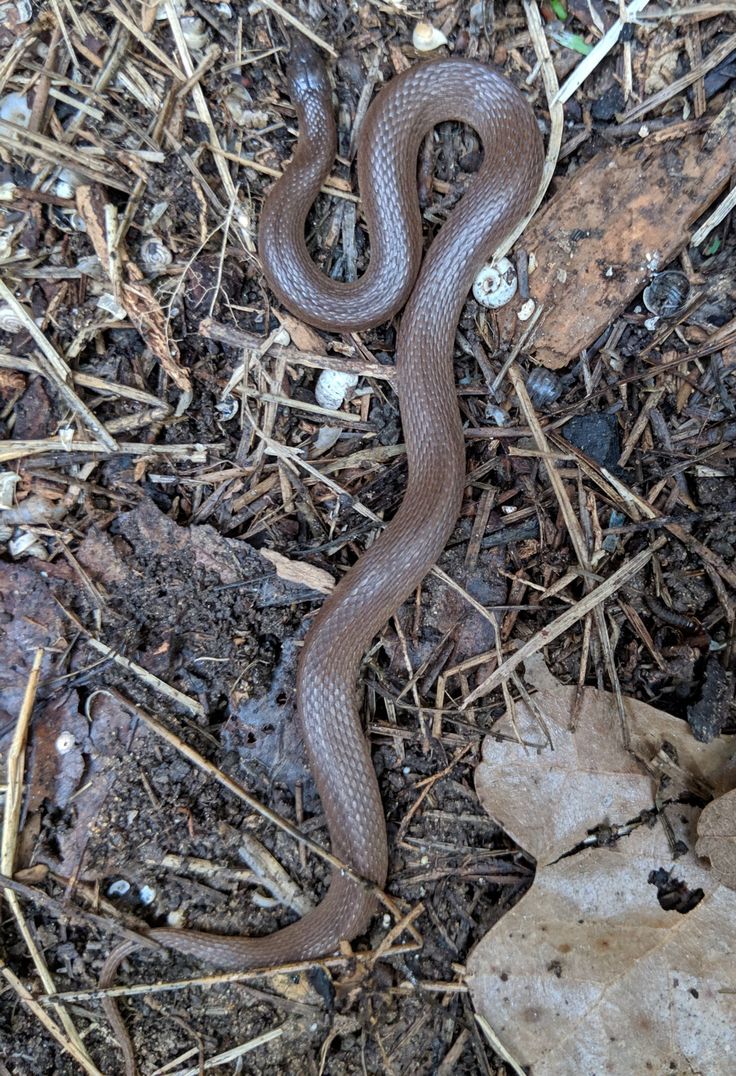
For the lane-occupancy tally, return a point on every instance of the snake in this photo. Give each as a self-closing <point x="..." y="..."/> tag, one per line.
<point x="431" y="290"/>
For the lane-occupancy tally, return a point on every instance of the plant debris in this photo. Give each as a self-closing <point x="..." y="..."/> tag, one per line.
<point x="178" y="492"/>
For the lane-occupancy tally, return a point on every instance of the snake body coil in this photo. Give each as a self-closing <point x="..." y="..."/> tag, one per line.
<point x="499" y="195"/>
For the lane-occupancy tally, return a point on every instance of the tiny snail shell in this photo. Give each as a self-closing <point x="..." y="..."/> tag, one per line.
<point x="667" y="293"/>
<point x="10" y="322"/>
<point x="227" y="408"/>
<point x="544" y="387"/>
<point x="426" y="37"/>
<point x="495" y="285"/>
<point x="155" y="256"/>
<point x="67" y="182"/>
<point x="64" y="742"/>
<point x="195" y="32"/>
<point x="332" y="387"/>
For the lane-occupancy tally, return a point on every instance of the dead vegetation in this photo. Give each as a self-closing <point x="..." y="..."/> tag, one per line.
<point x="179" y="489"/>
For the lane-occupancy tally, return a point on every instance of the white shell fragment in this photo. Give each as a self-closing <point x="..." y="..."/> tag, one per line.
<point x="147" y="894"/>
<point x="14" y="108"/>
<point x="332" y="388"/>
<point x="426" y="37"/>
<point x="111" y="306"/>
<point x="154" y="255"/>
<point x="195" y="32"/>
<point x="526" y="310"/>
<point x="496" y="415"/>
<point x="495" y="285"/>
<point x="118" y="888"/>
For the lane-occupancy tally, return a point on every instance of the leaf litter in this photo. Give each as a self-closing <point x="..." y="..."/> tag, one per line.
<point x="618" y="959"/>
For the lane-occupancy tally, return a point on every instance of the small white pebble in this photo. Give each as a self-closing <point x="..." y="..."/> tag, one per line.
<point x="146" y="894"/>
<point x="118" y="888"/>
<point x="495" y="285"/>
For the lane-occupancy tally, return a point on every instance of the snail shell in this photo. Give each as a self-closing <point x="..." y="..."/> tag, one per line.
<point x="155" y="256"/>
<point x="10" y="322"/>
<point x="544" y="387"/>
<point x="667" y="293"/>
<point x="195" y="33"/>
<point x="426" y="38"/>
<point x="495" y="285"/>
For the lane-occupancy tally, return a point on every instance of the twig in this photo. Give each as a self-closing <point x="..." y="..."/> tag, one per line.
<point x="565" y="621"/>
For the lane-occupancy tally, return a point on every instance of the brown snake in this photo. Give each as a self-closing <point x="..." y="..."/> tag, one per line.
<point x="393" y="566"/>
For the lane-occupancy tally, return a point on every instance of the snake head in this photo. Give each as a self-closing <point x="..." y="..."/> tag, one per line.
<point x="306" y="73"/>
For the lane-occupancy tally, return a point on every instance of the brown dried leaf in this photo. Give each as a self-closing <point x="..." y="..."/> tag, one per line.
<point x="594" y="970"/>
<point x="295" y="571"/>
<point x="717" y="837"/>
<point x="531" y="800"/>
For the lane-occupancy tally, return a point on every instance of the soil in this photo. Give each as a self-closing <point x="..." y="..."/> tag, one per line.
<point x="157" y="552"/>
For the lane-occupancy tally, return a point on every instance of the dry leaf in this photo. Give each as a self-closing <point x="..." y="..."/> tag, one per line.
<point x="594" y="971"/>
<point x="717" y="837"/>
<point x="296" y="571"/>
<point x="531" y="799"/>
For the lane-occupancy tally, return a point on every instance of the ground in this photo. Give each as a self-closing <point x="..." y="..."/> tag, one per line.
<point x="140" y="572"/>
